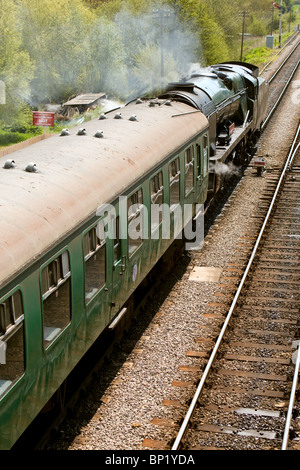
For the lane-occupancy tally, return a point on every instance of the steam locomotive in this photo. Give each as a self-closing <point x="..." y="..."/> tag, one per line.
<point x="78" y="229"/>
<point x="234" y="99"/>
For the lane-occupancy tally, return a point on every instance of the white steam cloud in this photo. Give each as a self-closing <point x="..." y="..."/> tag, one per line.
<point x="196" y="69"/>
<point x="166" y="49"/>
<point x="226" y="169"/>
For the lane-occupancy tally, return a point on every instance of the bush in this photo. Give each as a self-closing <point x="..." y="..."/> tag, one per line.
<point x="10" y="137"/>
<point x="258" y="55"/>
<point x="258" y="27"/>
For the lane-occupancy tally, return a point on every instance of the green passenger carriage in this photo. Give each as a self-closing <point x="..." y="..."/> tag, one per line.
<point x="63" y="279"/>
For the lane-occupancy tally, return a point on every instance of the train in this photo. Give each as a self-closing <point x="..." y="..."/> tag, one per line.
<point x="78" y="229"/>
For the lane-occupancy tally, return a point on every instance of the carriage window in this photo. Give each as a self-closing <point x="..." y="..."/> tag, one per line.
<point x="199" y="160"/>
<point x="205" y="154"/>
<point x="211" y="181"/>
<point x="12" y="350"/>
<point x="135" y="221"/>
<point x="56" y="293"/>
<point x="174" y="174"/>
<point x="157" y="199"/>
<point x="117" y="243"/>
<point x="189" y="170"/>
<point x="95" y="261"/>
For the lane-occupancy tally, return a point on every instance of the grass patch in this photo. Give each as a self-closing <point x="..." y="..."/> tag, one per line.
<point x="259" y="55"/>
<point x="15" y="134"/>
<point x="12" y="137"/>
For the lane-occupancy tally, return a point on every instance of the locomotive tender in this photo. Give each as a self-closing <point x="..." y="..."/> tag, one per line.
<point x="62" y="279"/>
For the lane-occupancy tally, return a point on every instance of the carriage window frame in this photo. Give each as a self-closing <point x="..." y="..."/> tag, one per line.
<point x="205" y="146"/>
<point x="172" y="178"/>
<point x="189" y="153"/>
<point x="51" y="284"/>
<point x="10" y="332"/>
<point x="100" y="225"/>
<point x="199" y="161"/>
<point x="156" y="191"/>
<point x="15" y="320"/>
<point x="133" y="200"/>
<point x="117" y="240"/>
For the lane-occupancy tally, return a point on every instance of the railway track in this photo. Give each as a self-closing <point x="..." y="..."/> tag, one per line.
<point x="247" y="390"/>
<point x="294" y="41"/>
<point x="280" y="80"/>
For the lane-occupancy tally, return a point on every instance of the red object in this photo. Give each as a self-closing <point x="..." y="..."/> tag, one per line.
<point x="275" y="5"/>
<point x="42" y="119"/>
<point x="259" y="162"/>
<point x="231" y="128"/>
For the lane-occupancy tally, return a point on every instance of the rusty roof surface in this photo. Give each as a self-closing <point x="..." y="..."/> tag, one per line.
<point x="76" y="174"/>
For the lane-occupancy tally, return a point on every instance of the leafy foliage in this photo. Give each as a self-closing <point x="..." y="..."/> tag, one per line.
<point x="54" y="49"/>
<point x="16" y="68"/>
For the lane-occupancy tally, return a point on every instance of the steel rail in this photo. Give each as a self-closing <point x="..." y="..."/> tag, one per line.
<point x="284" y="62"/>
<point x="280" y="96"/>
<point x="286" y="433"/>
<point x="190" y="412"/>
<point x="291" y="404"/>
<point x="294" y="36"/>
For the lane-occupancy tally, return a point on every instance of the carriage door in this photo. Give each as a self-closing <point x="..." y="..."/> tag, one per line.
<point x="119" y="268"/>
<point x="199" y="169"/>
<point x="205" y="162"/>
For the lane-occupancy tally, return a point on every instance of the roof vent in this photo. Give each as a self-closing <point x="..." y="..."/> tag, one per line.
<point x="133" y="118"/>
<point x="65" y="132"/>
<point x="9" y="164"/>
<point x="99" y="134"/>
<point x="102" y="116"/>
<point x="31" y="168"/>
<point x="118" y="116"/>
<point x="81" y="131"/>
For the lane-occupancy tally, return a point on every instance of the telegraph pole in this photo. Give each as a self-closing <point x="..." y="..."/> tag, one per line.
<point x="280" y="23"/>
<point x="245" y="15"/>
<point x="272" y="23"/>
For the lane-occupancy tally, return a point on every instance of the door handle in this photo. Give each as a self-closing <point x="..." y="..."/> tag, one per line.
<point x="123" y="265"/>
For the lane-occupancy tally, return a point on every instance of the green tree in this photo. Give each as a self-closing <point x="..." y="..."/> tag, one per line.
<point x="200" y="16"/>
<point x="288" y="4"/>
<point x="16" y="68"/>
<point x="104" y="66"/>
<point x="229" y="16"/>
<point x="147" y="70"/>
<point x="53" y="33"/>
